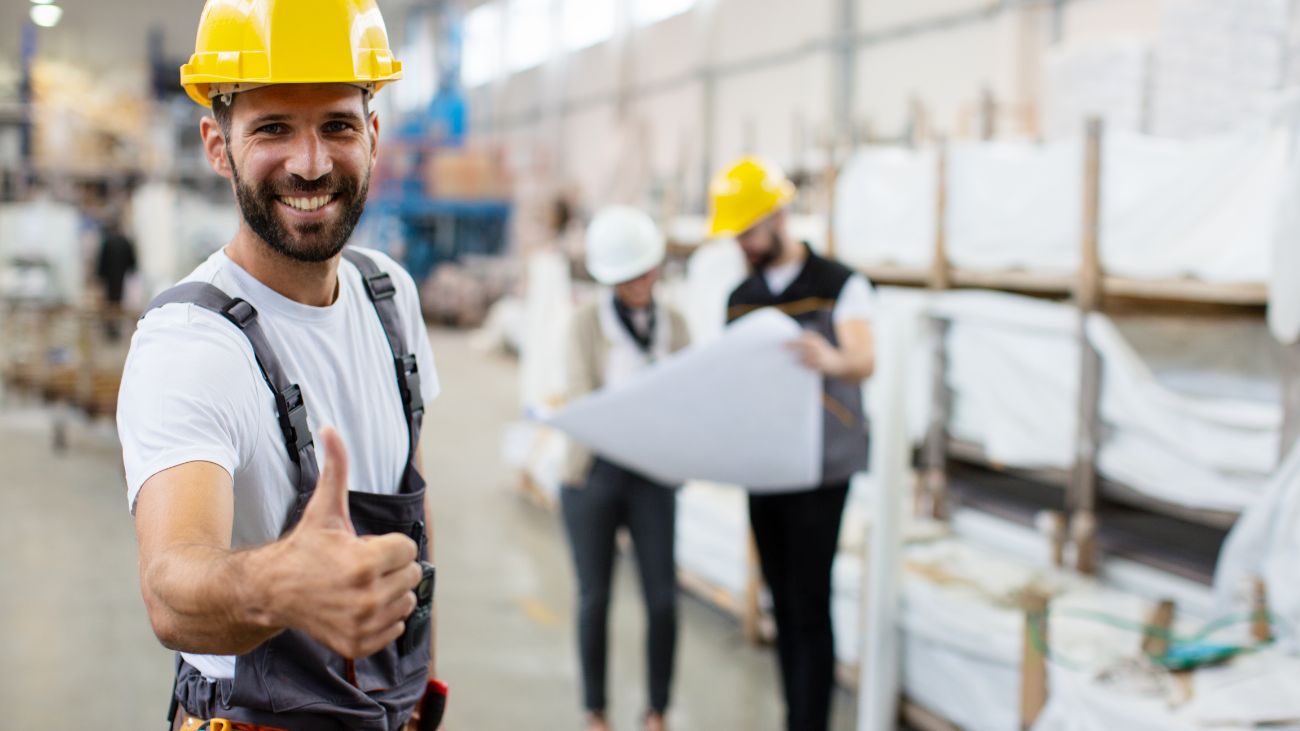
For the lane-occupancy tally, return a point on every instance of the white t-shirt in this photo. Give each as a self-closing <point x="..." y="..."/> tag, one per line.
<point x="192" y="391"/>
<point x="856" y="300"/>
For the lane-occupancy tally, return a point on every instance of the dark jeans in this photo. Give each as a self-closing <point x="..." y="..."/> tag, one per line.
<point x="615" y="497"/>
<point x="797" y="534"/>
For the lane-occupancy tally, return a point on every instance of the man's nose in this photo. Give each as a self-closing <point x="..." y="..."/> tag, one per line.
<point x="309" y="158"/>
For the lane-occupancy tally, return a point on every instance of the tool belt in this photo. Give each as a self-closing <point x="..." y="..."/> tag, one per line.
<point x="190" y="723"/>
<point x="429" y="713"/>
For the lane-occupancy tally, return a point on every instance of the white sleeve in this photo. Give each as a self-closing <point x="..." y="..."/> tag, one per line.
<point x="417" y="335"/>
<point x="857" y="301"/>
<point x="185" y="396"/>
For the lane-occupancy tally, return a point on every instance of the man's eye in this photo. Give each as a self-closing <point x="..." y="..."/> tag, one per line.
<point x="337" y="127"/>
<point x="274" y="128"/>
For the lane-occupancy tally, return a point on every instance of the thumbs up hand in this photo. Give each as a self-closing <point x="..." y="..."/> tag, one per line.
<point x="349" y="593"/>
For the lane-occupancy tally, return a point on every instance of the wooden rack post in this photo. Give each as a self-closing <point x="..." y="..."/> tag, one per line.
<point x="988" y="115"/>
<point x="1033" y="666"/>
<point x="1087" y="296"/>
<point x="1290" y="394"/>
<point x="1261" y="624"/>
<point x="1155" y="641"/>
<point x="935" y="452"/>
<point x="829" y="175"/>
<point x="918" y="122"/>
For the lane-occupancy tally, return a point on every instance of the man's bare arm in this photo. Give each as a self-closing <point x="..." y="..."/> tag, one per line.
<point x="352" y="595"/>
<point x="853" y="361"/>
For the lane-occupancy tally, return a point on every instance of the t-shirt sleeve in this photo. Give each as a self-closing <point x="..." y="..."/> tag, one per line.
<point x="184" y="396"/>
<point x="857" y="301"/>
<point x="417" y="335"/>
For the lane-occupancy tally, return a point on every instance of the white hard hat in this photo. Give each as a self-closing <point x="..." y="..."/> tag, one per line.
<point x="622" y="244"/>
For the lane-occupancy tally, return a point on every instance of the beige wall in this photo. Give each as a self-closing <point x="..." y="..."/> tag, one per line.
<point x="638" y="109"/>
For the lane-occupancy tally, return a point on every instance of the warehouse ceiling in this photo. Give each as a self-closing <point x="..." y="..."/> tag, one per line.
<point x="108" y="34"/>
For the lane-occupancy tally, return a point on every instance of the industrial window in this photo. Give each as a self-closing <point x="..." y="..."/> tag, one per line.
<point x="528" y="30"/>
<point x="417" y="90"/>
<point x="645" y="12"/>
<point x="588" y="22"/>
<point x="481" y="59"/>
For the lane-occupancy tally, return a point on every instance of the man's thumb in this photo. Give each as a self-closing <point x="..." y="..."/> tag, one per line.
<point x="328" y="505"/>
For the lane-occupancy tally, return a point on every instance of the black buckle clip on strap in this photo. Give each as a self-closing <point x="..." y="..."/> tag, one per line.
<point x="408" y="382"/>
<point x="293" y="420"/>
<point x="239" y="312"/>
<point x="380" y="286"/>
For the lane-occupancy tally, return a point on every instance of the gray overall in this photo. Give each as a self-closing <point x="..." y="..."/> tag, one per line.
<point x="292" y="681"/>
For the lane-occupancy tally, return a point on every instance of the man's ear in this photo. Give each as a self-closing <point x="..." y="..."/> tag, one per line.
<point x="374" y="138"/>
<point x="214" y="147"/>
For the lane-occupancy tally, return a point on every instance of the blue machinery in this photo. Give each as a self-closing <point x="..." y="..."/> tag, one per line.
<point x="431" y="229"/>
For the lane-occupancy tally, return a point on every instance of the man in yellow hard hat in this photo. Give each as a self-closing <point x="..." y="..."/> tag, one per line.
<point x="297" y="594"/>
<point x="797" y="531"/>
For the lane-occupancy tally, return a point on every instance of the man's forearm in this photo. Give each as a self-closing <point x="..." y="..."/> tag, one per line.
<point x="857" y="366"/>
<point x="206" y="599"/>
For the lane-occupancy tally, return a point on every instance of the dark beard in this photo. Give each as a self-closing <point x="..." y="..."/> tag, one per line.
<point x="769" y="256"/>
<point x="313" y="242"/>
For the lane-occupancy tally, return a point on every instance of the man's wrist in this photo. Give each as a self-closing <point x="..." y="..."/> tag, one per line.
<point x="251" y="586"/>
<point x="839" y="365"/>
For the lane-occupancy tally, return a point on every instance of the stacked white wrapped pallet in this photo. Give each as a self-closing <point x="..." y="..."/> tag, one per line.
<point x="175" y="230"/>
<point x="538" y="451"/>
<point x="1106" y="79"/>
<point x="963" y="628"/>
<point x="712" y="542"/>
<point x="884" y="209"/>
<point x="1205" y="436"/>
<point x="44" y="231"/>
<point x="1168" y="206"/>
<point x="1256" y="691"/>
<point x="1218" y="65"/>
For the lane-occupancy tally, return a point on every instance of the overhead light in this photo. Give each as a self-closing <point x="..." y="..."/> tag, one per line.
<point x="46" y="16"/>
<point x="42" y="2"/>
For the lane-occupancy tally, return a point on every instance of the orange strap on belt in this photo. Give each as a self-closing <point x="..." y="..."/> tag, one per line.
<point x="221" y="724"/>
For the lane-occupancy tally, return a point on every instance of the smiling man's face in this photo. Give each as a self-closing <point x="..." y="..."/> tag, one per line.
<point x="300" y="157"/>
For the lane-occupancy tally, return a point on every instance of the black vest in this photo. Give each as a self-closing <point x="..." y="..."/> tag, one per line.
<point x="810" y="300"/>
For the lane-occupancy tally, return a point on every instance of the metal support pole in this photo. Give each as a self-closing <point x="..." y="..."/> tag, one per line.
<point x="1083" y="482"/>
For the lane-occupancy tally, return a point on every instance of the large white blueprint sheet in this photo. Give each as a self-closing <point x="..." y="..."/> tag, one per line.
<point x="739" y="410"/>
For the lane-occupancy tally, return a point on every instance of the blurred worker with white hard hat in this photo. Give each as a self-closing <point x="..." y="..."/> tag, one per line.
<point x="297" y="594"/>
<point x="797" y="531"/>
<point x="612" y="339"/>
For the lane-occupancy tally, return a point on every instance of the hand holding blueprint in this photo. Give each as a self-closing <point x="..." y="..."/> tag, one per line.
<point x="740" y="410"/>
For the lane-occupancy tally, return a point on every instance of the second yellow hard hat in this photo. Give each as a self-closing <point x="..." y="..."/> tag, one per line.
<point x="745" y="193"/>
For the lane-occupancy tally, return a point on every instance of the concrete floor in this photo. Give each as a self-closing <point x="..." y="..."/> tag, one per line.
<point x="77" y="650"/>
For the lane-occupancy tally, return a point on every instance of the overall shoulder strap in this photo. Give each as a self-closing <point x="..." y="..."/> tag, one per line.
<point x="289" y="404"/>
<point x="383" y="292"/>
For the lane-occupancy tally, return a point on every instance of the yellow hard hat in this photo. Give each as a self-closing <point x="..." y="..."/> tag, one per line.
<point x="243" y="44"/>
<point x="745" y="193"/>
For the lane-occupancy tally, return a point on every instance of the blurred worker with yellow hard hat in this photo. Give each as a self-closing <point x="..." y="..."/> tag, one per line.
<point x="797" y="531"/>
<point x="297" y="590"/>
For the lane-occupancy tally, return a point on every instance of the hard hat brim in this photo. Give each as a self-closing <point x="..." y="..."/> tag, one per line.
<point x="202" y="91"/>
<point x="627" y="271"/>
<point x="720" y="228"/>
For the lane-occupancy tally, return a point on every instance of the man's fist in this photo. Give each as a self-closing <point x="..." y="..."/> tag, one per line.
<point x="350" y="593"/>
